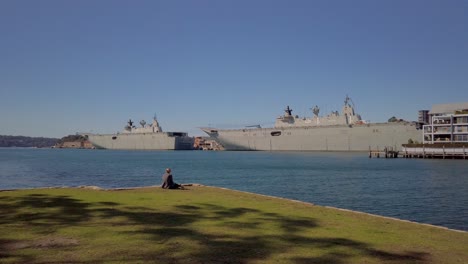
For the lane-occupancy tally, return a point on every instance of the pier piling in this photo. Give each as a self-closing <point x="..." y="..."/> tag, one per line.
<point x="387" y="152"/>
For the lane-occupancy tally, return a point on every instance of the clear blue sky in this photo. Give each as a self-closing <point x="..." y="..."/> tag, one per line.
<point x="81" y="66"/>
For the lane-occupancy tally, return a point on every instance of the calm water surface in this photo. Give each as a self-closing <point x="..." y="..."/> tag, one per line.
<point x="422" y="190"/>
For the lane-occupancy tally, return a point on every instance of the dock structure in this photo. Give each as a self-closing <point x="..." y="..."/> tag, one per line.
<point x="387" y="152"/>
<point x="423" y="151"/>
<point x="440" y="151"/>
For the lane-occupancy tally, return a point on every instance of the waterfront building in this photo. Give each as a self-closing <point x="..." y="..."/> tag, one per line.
<point x="448" y="123"/>
<point x="423" y="117"/>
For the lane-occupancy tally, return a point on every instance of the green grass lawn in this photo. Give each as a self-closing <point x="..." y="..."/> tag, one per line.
<point x="206" y="225"/>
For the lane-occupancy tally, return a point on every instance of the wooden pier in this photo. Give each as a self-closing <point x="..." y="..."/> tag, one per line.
<point x="424" y="151"/>
<point x="435" y="151"/>
<point x="387" y="152"/>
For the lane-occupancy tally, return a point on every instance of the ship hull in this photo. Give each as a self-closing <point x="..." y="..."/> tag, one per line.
<point x="331" y="138"/>
<point x="143" y="141"/>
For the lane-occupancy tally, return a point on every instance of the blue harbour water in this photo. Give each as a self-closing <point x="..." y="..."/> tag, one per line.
<point x="421" y="190"/>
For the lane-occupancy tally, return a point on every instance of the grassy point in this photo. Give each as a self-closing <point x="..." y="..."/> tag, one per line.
<point x="206" y="225"/>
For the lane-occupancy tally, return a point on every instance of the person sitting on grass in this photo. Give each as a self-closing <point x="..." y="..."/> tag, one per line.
<point x="168" y="182"/>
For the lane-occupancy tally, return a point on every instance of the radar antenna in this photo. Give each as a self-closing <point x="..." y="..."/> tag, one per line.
<point x="142" y="123"/>
<point x="288" y="110"/>
<point x="316" y="110"/>
<point x="347" y="100"/>
<point x="130" y="122"/>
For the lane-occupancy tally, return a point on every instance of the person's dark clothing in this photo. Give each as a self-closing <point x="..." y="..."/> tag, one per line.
<point x="168" y="182"/>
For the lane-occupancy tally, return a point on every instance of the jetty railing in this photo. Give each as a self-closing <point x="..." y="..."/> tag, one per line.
<point x="435" y="152"/>
<point x="450" y="151"/>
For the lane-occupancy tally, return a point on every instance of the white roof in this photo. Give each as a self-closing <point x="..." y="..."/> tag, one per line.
<point x="448" y="108"/>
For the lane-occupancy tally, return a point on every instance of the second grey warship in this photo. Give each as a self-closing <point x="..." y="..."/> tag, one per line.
<point x="334" y="132"/>
<point x="146" y="137"/>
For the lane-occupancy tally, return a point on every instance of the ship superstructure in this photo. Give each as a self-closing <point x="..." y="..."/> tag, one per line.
<point x="146" y="137"/>
<point x="344" y="131"/>
<point x="348" y="117"/>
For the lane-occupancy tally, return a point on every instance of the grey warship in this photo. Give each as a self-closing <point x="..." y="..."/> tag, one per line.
<point x="146" y="137"/>
<point x="334" y="132"/>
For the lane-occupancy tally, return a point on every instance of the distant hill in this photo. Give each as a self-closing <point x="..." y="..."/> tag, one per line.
<point x="22" y="141"/>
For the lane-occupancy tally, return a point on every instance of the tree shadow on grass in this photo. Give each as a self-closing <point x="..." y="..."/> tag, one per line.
<point x="43" y="211"/>
<point x="291" y="232"/>
<point x="223" y="245"/>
